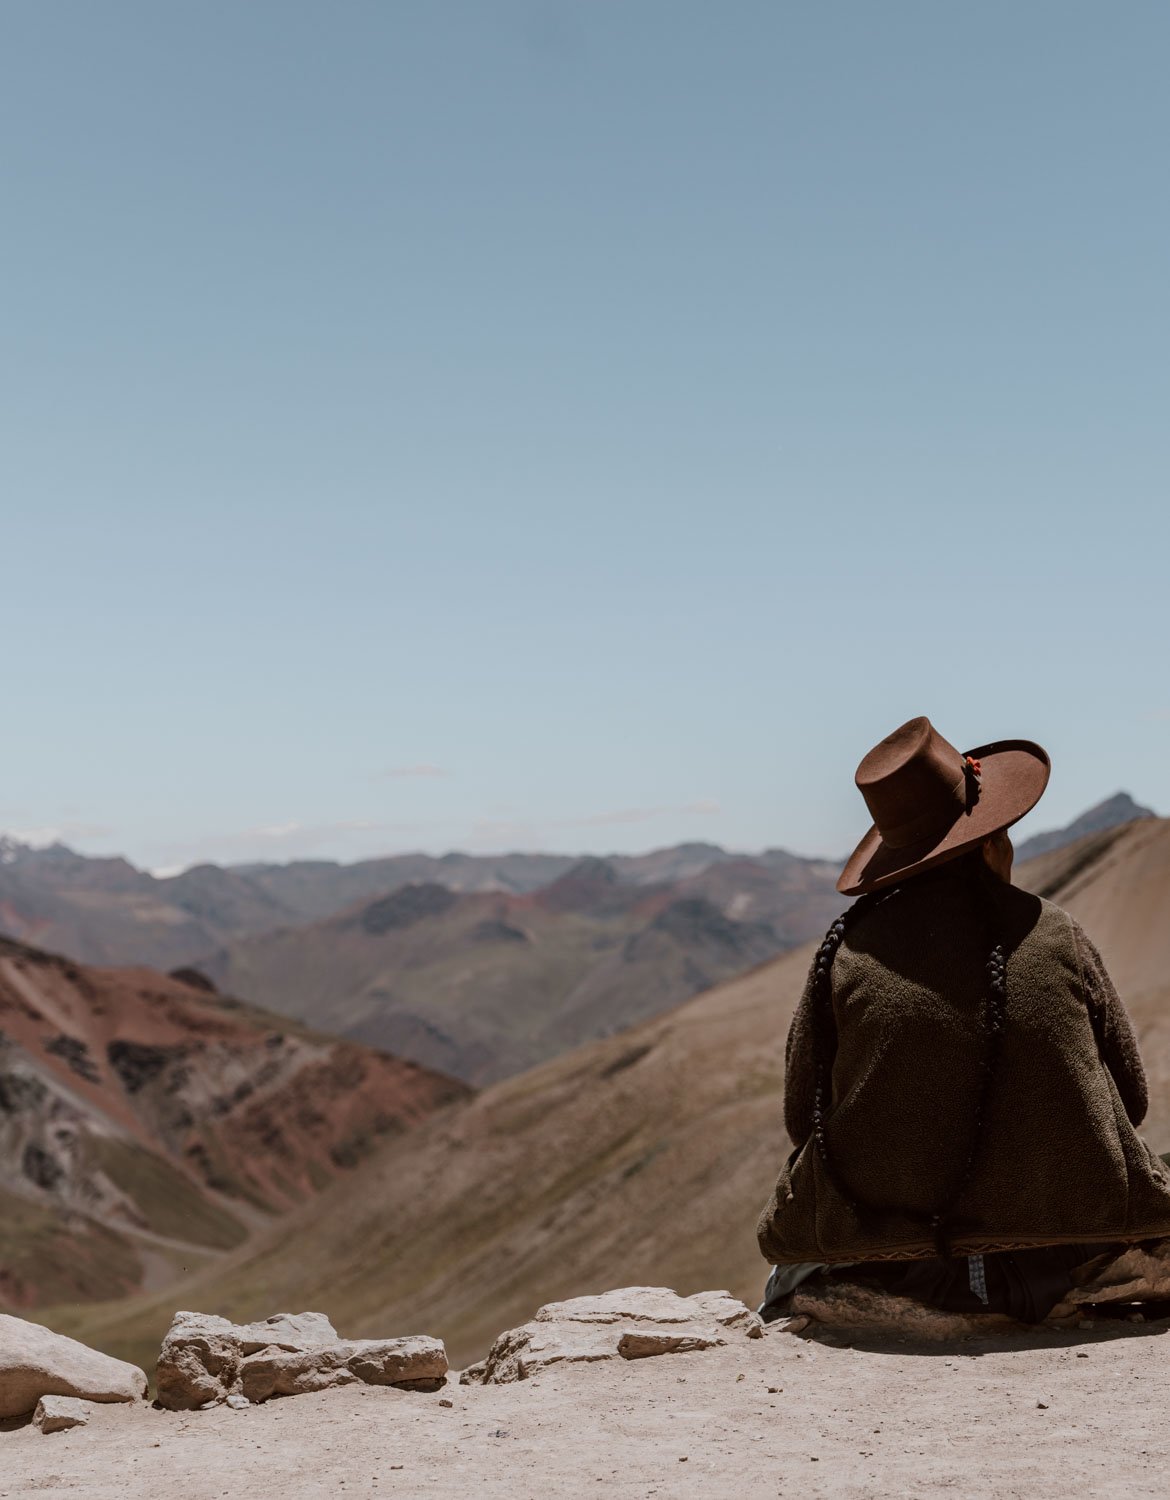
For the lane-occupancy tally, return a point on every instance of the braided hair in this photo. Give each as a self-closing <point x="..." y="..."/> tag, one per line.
<point x="824" y="1030"/>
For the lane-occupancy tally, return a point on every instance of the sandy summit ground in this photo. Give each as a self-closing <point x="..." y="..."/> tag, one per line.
<point x="1047" y="1414"/>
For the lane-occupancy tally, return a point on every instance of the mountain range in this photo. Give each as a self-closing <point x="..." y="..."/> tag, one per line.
<point x="638" y="1158"/>
<point x="106" y="910"/>
<point x="474" y="965"/>
<point x="482" y="984"/>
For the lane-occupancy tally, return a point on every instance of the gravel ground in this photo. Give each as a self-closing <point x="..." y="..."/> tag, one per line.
<point x="1050" y="1414"/>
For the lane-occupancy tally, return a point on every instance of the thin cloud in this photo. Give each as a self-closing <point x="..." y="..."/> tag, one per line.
<point x="495" y="831"/>
<point x="278" y="833"/>
<point x="637" y="815"/>
<point x="514" y="831"/>
<point x="422" y="769"/>
<point x="281" y="841"/>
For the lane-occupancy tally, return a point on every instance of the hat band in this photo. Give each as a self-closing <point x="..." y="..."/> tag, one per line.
<point x="933" y="821"/>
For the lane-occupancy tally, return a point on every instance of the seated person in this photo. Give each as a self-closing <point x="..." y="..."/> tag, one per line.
<point x="962" y="1081"/>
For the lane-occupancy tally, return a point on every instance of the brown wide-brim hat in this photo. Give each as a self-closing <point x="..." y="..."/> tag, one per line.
<point x="930" y="802"/>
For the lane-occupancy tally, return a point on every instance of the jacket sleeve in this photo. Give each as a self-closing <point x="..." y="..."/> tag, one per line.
<point x="800" y="1080"/>
<point x="1114" y="1031"/>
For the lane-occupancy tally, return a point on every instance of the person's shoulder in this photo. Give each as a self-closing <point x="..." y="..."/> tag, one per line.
<point x="1044" y="913"/>
<point x="1037" y="918"/>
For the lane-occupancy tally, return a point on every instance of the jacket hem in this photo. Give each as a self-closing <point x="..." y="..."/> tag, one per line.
<point x="971" y="1245"/>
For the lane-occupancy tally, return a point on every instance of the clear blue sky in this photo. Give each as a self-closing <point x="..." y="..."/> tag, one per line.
<point x="580" y="426"/>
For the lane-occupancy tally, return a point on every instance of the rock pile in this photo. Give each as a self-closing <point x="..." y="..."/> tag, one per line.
<point x="36" y="1362"/>
<point x="206" y="1360"/>
<point x="633" y="1322"/>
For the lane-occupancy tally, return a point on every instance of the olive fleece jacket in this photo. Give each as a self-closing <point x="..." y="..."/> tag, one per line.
<point x="1057" y="1159"/>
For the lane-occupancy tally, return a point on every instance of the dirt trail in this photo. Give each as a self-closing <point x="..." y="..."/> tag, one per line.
<point x="1047" y="1414"/>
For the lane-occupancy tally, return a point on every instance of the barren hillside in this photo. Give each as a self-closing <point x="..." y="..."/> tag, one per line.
<point x="641" y="1158"/>
<point x="1117" y="885"/>
<point x="145" y="1124"/>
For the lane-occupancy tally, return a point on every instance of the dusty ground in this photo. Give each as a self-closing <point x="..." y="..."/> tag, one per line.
<point x="1048" y="1414"/>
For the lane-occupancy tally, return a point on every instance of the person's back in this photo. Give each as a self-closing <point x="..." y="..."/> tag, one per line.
<point x="1012" y="1129"/>
<point x="961" y="1076"/>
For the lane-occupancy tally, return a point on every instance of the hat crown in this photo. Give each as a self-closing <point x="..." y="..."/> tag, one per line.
<point x="914" y="783"/>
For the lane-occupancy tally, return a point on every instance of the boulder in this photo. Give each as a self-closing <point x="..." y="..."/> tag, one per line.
<point x="36" y="1362"/>
<point x="59" y="1413"/>
<point x="206" y="1359"/>
<point x="630" y="1323"/>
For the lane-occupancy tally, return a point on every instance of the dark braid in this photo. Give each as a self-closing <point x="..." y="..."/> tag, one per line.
<point x="824" y="1031"/>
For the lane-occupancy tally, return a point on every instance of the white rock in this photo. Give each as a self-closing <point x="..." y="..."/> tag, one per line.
<point x="630" y="1323"/>
<point x="281" y="1331"/>
<point x="730" y="1312"/>
<point x="205" y="1359"/>
<point x="58" y="1413"/>
<point x="36" y="1362"/>
<point x="418" y="1362"/>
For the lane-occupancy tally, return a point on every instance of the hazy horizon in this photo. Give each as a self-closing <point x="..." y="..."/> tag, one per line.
<point x="46" y="838"/>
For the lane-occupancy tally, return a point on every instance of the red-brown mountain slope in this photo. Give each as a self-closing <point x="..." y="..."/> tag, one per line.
<point x="141" y="1118"/>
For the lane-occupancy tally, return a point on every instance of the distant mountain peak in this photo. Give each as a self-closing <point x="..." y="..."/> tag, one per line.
<point x="18" y="851"/>
<point x="1120" y="806"/>
<point x="1112" y="812"/>
<point x="407" y="905"/>
<point x="592" y="884"/>
<point x="694" y="846"/>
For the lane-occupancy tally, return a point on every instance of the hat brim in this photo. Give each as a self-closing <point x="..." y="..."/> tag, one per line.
<point x="1013" y="776"/>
